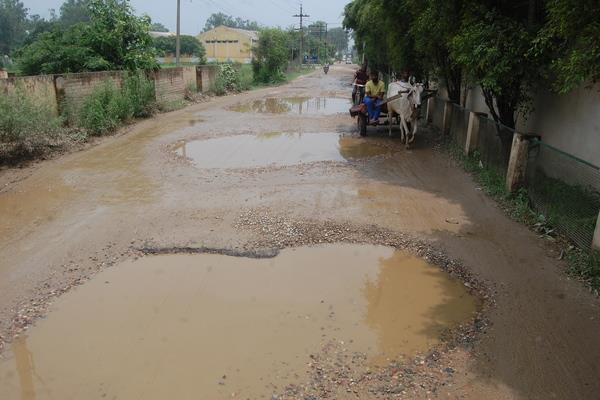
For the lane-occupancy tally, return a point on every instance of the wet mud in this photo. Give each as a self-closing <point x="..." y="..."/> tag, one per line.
<point x="276" y="149"/>
<point x="215" y="326"/>
<point x="295" y="105"/>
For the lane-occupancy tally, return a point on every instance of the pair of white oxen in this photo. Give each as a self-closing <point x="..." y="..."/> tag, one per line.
<point x="404" y="99"/>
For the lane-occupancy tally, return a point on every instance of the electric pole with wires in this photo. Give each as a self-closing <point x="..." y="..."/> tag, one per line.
<point x="301" y="16"/>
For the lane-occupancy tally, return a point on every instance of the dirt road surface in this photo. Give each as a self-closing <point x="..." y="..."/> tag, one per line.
<point x="226" y="175"/>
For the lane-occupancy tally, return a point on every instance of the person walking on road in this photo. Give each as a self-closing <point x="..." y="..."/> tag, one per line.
<point x="374" y="92"/>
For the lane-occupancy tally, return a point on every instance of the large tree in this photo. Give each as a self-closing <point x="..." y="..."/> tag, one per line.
<point x="13" y="25"/>
<point x="338" y="37"/>
<point x="74" y="11"/>
<point x="220" y="18"/>
<point x="114" y="38"/>
<point x="570" y="43"/>
<point x="190" y="45"/>
<point x="158" y="27"/>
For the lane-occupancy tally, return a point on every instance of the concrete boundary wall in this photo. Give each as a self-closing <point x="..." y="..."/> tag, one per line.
<point x="56" y="90"/>
<point x="41" y="88"/>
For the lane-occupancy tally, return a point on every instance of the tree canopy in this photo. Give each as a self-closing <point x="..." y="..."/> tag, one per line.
<point x="13" y="25"/>
<point x="158" y="27"/>
<point x="190" y="45"/>
<point x="114" y="38"/>
<point x="220" y="18"/>
<point x="507" y="48"/>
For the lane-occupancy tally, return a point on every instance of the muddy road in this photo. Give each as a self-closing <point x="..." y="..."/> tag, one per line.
<point x="255" y="247"/>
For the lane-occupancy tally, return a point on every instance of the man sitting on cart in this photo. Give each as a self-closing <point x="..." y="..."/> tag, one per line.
<point x="374" y="93"/>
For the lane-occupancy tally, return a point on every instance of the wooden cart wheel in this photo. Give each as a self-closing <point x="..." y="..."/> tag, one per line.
<point x="362" y="124"/>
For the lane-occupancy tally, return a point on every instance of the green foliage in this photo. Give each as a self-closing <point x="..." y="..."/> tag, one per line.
<point x="139" y="92"/>
<point x="190" y="45"/>
<point x="227" y="80"/>
<point x="586" y="266"/>
<point x="121" y="37"/>
<point x="158" y="27"/>
<point x="61" y="51"/>
<point x="494" y="50"/>
<point x="569" y="205"/>
<point x="220" y="18"/>
<point x="570" y="43"/>
<point x="571" y="208"/>
<point x="103" y="110"/>
<point x="13" y="25"/>
<point x="270" y="56"/>
<point x="74" y="12"/>
<point x="113" y="39"/>
<point x="26" y="122"/>
<point x="246" y="78"/>
<point x="508" y="48"/>
<point x="108" y="105"/>
<point x="339" y="39"/>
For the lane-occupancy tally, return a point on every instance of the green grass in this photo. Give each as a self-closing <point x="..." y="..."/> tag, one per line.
<point x="570" y="206"/>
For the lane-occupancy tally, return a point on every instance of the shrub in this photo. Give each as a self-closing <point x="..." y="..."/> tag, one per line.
<point x="103" y="110"/>
<point x="228" y="80"/>
<point x="270" y="56"/>
<point x="27" y="123"/>
<point x="139" y="92"/>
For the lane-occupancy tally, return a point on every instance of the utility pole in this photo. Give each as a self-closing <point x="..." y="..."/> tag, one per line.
<point x="301" y="16"/>
<point x="178" y="40"/>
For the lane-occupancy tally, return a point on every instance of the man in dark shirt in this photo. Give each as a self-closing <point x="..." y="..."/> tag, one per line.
<point x="360" y="78"/>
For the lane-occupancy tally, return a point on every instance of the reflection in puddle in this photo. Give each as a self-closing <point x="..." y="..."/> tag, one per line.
<point x="276" y="149"/>
<point x="295" y="105"/>
<point x="207" y="326"/>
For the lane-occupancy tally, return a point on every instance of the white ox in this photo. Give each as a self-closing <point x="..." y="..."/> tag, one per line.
<point x="406" y="107"/>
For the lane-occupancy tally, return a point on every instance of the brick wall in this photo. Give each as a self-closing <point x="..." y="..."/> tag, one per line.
<point x="189" y="76"/>
<point x="169" y="84"/>
<point x="74" y="88"/>
<point x="208" y="74"/>
<point x="40" y="88"/>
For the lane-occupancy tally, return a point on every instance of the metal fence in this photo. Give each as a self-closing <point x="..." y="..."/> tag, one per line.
<point x="566" y="190"/>
<point x="459" y="123"/>
<point x="493" y="153"/>
<point x="437" y="112"/>
<point x="561" y="187"/>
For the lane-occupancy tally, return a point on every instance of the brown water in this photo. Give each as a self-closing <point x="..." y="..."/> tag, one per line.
<point x="276" y="149"/>
<point x="295" y="105"/>
<point x="210" y="326"/>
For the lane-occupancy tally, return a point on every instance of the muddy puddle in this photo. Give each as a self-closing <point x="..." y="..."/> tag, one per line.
<point x="276" y="149"/>
<point x="295" y="105"/>
<point x="215" y="327"/>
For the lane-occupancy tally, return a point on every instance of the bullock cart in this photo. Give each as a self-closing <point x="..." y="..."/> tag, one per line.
<point x="359" y="111"/>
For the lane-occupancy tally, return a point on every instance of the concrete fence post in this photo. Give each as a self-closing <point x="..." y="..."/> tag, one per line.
<point x="596" y="240"/>
<point x="473" y="132"/>
<point x="447" y="117"/>
<point x="517" y="164"/>
<point x="430" y="106"/>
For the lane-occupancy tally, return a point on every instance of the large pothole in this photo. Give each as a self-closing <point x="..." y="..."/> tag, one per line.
<point x="277" y="149"/>
<point x="295" y="105"/>
<point x="213" y="326"/>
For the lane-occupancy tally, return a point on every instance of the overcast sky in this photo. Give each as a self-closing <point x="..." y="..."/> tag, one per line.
<point x="195" y="12"/>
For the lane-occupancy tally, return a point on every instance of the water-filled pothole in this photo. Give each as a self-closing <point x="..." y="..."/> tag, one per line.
<point x="277" y="149"/>
<point x="207" y="326"/>
<point x="295" y="105"/>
